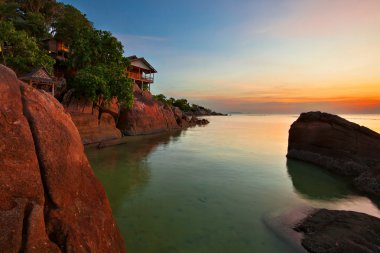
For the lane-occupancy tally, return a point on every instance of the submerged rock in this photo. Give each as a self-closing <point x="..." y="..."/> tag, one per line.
<point x="148" y="116"/>
<point x="340" y="232"/>
<point x="50" y="200"/>
<point x="341" y="146"/>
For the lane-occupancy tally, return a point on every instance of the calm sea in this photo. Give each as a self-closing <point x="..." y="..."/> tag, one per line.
<point x="208" y="189"/>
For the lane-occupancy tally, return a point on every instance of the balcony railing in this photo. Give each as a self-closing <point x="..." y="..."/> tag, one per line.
<point x="140" y="77"/>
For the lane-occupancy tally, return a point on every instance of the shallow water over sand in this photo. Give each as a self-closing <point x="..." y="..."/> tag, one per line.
<point x="208" y="189"/>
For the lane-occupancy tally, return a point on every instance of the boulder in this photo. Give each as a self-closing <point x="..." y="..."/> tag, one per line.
<point x="50" y="199"/>
<point x="341" y="146"/>
<point x="148" y="116"/>
<point x="96" y="122"/>
<point x="340" y="232"/>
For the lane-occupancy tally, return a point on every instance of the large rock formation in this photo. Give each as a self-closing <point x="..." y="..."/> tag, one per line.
<point x="340" y="232"/>
<point x="95" y="122"/>
<point x="148" y="116"/>
<point x="338" y="145"/>
<point x="50" y="200"/>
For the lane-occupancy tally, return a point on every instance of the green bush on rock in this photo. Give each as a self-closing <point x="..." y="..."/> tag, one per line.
<point x="106" y="80"/>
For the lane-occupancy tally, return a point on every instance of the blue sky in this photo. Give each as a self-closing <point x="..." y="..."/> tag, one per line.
<point x="254" y="55"/>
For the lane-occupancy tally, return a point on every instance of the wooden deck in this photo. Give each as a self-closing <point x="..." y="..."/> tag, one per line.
<point x="140" y="77"/>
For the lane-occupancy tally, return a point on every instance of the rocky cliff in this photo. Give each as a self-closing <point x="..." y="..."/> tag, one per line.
<point x="50" y="200"/>
<point x="96" y="122"/>
<point x="338" y="145"/>
<point x="148" y="116"/>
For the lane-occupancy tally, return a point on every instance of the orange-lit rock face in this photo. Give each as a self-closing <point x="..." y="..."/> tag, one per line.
<point x="149" y="116"/>
<point x="50" y="198"/>
<point x="94" y="125"/>
<point x="338" y="145"/>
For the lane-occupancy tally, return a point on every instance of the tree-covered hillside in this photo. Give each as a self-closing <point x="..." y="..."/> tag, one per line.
<point x="95" y="56"/>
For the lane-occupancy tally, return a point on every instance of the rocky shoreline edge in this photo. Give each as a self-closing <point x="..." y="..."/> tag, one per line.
<point x="106" y="123"/>
<point x="346" y="149"/>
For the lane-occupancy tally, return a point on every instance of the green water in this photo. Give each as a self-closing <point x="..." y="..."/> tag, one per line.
<point x="208" y="189"/>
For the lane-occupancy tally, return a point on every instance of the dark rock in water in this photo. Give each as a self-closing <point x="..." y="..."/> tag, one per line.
<point x="202" y="122"/>
<point x="332" y="231"/>
<point x="149" y="116"/>
<point x="50" y="200"/>
<point x="338" y="145"/>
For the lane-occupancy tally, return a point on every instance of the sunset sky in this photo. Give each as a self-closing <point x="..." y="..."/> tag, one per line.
<point x="258" y="56"/>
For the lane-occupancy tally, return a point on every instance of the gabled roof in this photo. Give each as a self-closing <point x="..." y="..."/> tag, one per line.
<point x="134" y="58"/>
<point x="38" y="74"/>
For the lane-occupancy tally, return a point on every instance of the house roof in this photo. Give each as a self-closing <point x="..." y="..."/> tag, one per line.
<point x="134" y="58"/>
<point x="38" y="74"/>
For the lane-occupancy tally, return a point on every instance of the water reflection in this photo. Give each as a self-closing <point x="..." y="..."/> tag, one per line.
<point x="126" y="170"/>
<point x="207" y="189"/>
<point x="315" y="183"/>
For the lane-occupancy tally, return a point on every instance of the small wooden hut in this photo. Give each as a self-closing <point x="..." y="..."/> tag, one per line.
<point x="39" y="78"/>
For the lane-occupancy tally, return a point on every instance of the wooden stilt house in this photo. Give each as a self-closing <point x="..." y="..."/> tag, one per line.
<point x="141" y="72"/>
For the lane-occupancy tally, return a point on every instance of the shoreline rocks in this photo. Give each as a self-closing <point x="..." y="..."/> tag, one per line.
<point x="107" y="122"/>
<point x="51" y="200"/>
<point x="340" y="232"/>
<point x="95" y="122"/>
<point x="149" y="116"/>
<point x="340" y="146"/>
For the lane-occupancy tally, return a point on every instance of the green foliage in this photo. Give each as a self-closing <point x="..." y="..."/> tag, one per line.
<point x="91" y="47"/>
<point x="96" y="55"/>
<point x="195" y="108"/>
<point x="33" y="5"/>
<point x="32" y="16"/>
<point x="182" y="104"/>
<point x="34" y="25"/>
<point x="161" y="98"/>
<point x="9" y="11"/>
<point x="21" y="52"/>
<point x="69" y="23"/>
<point x="106" y="80"/>
<point x="90" y="82"/>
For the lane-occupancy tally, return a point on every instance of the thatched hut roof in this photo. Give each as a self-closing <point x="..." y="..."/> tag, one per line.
<point x="38" y="75"/>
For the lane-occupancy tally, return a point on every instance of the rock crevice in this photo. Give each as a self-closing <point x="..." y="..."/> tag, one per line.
<point x="48" y="199"/>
